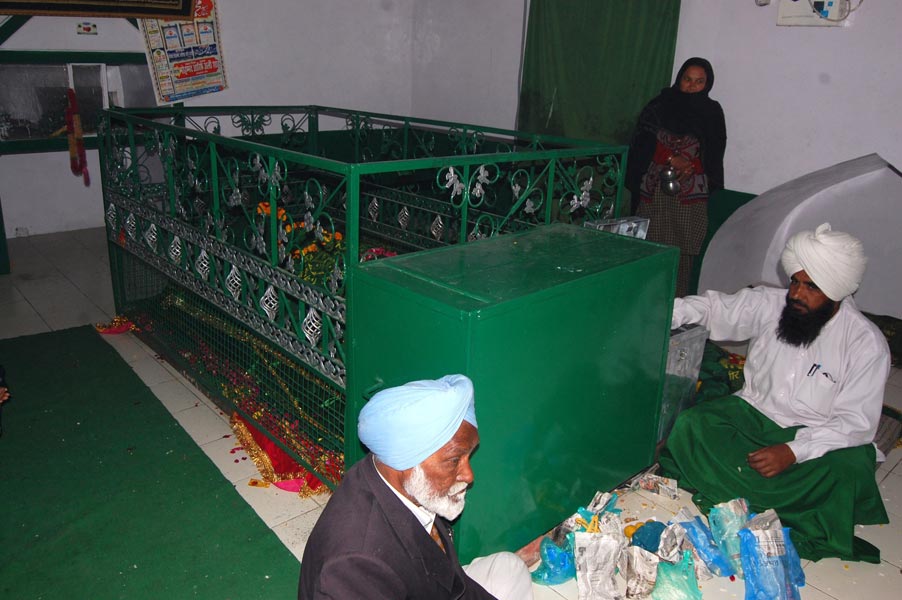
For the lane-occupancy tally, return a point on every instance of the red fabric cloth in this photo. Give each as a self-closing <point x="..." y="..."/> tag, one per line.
<point x="274" y="464"/>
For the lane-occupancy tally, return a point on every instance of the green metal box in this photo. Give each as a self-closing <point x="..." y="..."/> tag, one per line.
<point x="564" y="332"/>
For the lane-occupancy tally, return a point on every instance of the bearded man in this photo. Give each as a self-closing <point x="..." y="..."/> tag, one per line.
<point x="385" y="533"/>
<point x="798" y="437"/>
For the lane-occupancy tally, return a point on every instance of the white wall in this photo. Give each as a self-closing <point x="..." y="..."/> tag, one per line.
<point x="798" y="99"/>
<point x="466" y="60"/>
<point x="343" y="53"/>
<point x="454" y="61"/>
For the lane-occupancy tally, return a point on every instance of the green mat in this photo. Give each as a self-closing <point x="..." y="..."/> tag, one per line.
<point x="104" y="495"/>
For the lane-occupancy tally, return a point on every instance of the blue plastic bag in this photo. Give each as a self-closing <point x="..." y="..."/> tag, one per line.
<point x="701" y="537"/>
<point x="677" y="582"/>
<point x="558" y="564"/>
<point x="726" y="520"/>
<point x="773" y="570"/>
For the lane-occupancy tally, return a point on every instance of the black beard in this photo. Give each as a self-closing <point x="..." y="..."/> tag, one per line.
<point x="800" y="329"/>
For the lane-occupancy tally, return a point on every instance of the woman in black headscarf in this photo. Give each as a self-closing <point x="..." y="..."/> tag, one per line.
<point x="676" y="161"/>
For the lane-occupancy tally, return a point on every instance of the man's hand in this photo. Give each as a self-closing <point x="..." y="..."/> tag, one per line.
<point x="771" y="460"/>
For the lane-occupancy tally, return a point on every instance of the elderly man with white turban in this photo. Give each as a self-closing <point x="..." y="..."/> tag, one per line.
<point x="798" y="436"/>
<point x="384" y="532"/>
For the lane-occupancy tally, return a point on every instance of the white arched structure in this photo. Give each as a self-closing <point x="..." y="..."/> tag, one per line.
<point x="862" y="197"/>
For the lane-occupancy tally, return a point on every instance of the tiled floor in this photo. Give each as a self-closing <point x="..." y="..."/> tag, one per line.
<point x="62" y="280"/>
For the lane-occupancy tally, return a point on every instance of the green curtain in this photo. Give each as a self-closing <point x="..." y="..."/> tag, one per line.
<point x="591" y="65"/>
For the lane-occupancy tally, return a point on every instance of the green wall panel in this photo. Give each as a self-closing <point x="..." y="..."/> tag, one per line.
<point x="564" y="332"/>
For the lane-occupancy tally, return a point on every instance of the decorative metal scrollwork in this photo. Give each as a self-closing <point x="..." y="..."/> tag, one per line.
<point x="131" y="227"/>
<point x="175" y="250"/>
<point x="233" y="283"/>
<point x="252" y="123"/>
<point x="404" y="217"/>
<point x="437" y="228"/>
<point x="112" y="218"/>
<point x="312" y="327"/>
<point x="269" y="302"/>
<point x="202" y="265"/>
<point x="150" y="236"/>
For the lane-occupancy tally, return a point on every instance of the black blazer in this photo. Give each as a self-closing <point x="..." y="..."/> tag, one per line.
<point x="367" y="544"/>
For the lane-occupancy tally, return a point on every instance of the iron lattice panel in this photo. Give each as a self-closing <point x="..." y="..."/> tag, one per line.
<point x="234" y="366"/>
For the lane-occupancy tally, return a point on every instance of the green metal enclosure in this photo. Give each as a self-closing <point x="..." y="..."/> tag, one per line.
<point x="564" y="332"/>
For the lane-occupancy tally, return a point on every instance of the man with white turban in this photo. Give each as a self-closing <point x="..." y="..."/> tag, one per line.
<point x="798" y="437"/>
<point x="385" y="532"/>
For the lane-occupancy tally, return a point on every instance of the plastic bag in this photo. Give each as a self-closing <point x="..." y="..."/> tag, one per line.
<point x="726" y="520"/>
<point x="557" y="565"/>
<point x="677" y="581"/>
<point x="700" y="536"/>
<point x="773" y="570"/>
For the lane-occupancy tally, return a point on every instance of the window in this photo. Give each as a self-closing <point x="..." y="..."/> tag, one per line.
<point x="33" y="98"/>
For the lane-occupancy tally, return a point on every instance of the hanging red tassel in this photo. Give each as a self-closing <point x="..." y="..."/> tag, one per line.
<point x="78" y="161"/>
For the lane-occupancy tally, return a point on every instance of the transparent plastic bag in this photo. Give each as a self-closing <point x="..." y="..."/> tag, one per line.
<point x="726" y="520"/>
<point x="773" y="570"/>
<point x="557" y="565"/>
<point x="703" y="541"/>
<point x="677" y="581"/>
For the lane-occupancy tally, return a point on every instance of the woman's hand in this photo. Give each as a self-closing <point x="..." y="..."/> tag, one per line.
<point x="682" y="165"/>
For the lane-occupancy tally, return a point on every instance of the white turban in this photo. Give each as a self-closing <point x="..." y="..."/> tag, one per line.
<point x="404" y="425"/>
<point x="834" y="260"/>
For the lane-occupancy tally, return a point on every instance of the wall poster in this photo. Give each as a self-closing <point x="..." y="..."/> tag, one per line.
<point x="185" y="57"/>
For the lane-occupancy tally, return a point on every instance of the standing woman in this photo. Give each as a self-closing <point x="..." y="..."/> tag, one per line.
<point x="676" y="161"/>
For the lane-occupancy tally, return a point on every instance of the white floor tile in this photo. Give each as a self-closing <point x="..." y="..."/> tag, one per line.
<point x="891" y="490"/>
<point x="568" y="590"/>
<point x="17" y="308"/>
<point x="50" y="293"/>
<point x="721" y="588"/>
<point x="175" y="396"/>
<point x="894" y="460"/>
<point x="886" y="537"/>
<point x="202" y="424"/>
<point x="22" y="323"/>
<point x="853" y="580"/>
<point x="893" y="396"/>
<point x="812" y="593"/>
<point x="275" y="506"/>
<point x="295" y="532"/>
<point x="128" y="347"/>
<point x="9" y="293"/>
<point x="232" y="460"/>
<point x="151" y="370"/>
<point x="545" y="592"/>
<point x="78" y="313"/>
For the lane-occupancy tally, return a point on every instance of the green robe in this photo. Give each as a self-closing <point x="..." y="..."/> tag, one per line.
<point x="821" y="500"/>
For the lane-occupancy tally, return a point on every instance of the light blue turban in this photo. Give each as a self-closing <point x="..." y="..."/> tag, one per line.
<point x="404" y="425"/>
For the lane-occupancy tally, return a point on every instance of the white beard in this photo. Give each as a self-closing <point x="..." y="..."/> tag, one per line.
<point x="448" y="505"/>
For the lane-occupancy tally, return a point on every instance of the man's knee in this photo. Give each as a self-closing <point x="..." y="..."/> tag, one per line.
<point x="503" y="574"/>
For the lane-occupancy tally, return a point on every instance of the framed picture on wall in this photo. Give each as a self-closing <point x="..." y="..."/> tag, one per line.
<point x="149" y="9"/>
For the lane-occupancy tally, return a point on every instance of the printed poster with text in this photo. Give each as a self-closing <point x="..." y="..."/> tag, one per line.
<point x="185" y="57"/>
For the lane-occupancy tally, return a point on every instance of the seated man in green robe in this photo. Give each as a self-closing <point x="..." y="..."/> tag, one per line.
<point x="798" y="436"/>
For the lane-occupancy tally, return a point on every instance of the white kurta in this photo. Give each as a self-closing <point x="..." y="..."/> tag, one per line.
<point x="834" y="387"/>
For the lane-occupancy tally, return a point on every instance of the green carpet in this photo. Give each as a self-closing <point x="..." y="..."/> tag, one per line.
<point x="104" y="495"/>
